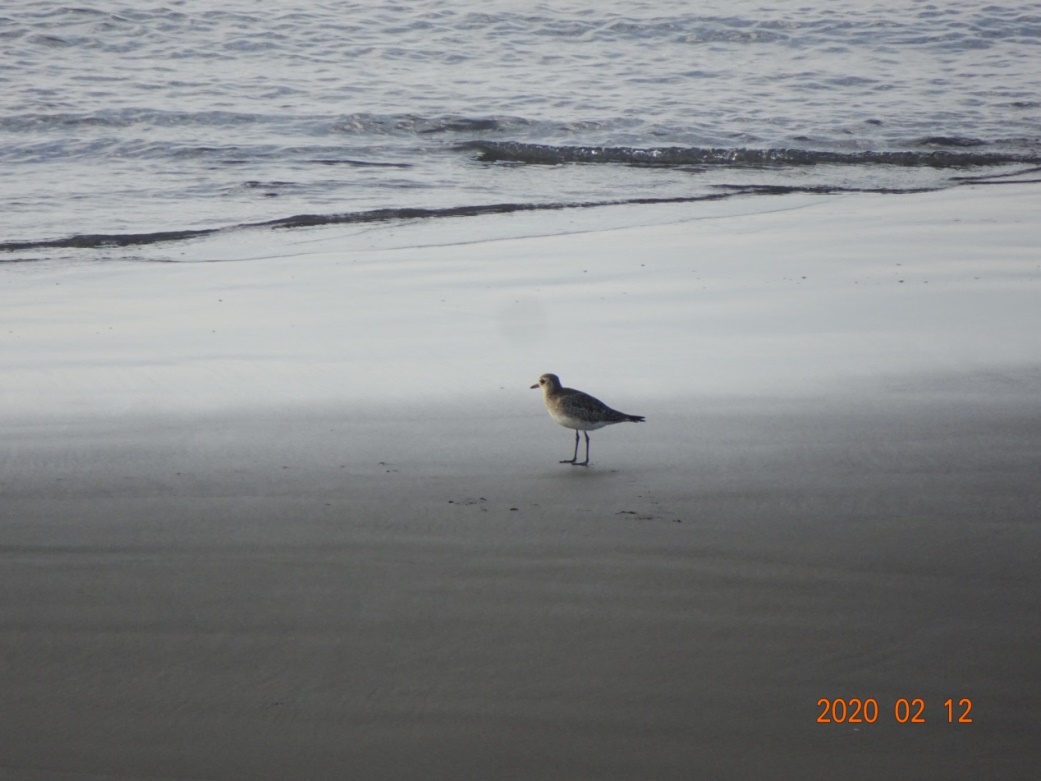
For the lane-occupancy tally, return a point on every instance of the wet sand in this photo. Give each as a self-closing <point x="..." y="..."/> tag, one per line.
<point x="249" y="599"/>
<point x="278" y="585"/>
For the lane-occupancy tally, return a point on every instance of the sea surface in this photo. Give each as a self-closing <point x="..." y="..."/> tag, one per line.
<point x="125" y="124"/>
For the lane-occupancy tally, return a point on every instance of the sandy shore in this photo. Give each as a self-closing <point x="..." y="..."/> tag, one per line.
<point x="214" y="564"/>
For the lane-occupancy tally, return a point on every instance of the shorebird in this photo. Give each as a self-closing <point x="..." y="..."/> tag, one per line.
<point x="574" y="409"/>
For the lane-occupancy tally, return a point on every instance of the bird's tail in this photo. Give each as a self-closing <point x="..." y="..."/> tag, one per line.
<point x="636" y="418"/>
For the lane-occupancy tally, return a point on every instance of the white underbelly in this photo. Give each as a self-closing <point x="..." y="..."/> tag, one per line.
<point x="576" y="423"/>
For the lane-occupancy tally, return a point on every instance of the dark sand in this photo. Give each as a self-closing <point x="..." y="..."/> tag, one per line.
<point x="261" y="598"/>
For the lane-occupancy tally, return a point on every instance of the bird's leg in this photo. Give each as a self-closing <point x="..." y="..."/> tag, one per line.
<point x="586" y="462"/>
<point x="574" y="458"/>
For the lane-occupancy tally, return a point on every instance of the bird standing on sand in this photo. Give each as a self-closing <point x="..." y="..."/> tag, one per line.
<point x="574" y="409"/>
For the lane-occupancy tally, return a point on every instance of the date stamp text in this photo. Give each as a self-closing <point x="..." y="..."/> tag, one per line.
<point x="854" y="710"/>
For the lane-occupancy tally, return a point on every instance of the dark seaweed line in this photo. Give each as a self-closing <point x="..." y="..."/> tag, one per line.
<point x="104" y="240"/>
<point x="115" y="240"/>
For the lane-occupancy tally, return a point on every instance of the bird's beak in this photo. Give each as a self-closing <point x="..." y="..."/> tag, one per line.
<point x="533" y="387"/>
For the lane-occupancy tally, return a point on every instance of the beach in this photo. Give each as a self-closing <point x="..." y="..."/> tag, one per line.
<point x="283" y="505"/>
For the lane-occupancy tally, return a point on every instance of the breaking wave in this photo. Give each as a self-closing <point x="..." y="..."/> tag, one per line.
<point x="672" y="156"/>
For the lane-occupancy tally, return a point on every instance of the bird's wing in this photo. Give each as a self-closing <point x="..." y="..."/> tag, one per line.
<point x="584" y="407"/>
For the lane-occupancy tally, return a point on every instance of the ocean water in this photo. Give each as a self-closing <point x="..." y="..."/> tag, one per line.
<point x="124" y="124"/>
